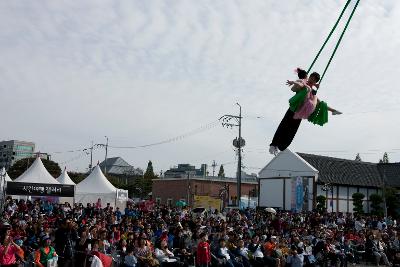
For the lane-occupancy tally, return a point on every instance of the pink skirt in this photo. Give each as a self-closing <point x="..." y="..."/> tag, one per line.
<point x="307" y="108"/>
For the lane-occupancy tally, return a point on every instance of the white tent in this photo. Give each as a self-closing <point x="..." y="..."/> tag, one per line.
<point x="36" y="173"/>
<point x="65" y="179"/>
<point x="95" y="186"/>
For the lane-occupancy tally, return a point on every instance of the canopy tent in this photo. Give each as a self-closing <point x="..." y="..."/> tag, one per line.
<point x="94" y="187"/>
<point x="66" y="180"/>
<point x="37" y="173"/>
<point x="37" y="181"/>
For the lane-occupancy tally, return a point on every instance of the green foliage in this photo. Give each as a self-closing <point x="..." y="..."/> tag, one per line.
<point x="77" y="177"/>
<point x="358" y="158"/>
<point x="22" y="165"/>
<point x="221" y="172"/>
<point x="358" y="202"/>
<point x="392" y="201"/>
<point x="149" y="174"/>
<point x="376" y="204"/>
<point x="143" y="185"/>
<point x="385" y="158"/>
<point x="321" y="203"/>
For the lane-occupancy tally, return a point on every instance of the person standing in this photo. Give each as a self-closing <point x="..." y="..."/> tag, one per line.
<point x="203" y="251"/>
<point x="65" y="237"/>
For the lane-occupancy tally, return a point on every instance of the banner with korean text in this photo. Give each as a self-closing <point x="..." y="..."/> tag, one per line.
<point x="38" y="189"/>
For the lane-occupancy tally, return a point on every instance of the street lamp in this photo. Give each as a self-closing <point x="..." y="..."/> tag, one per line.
<point x="328" y="187"/>
<point x="238" y="143"/>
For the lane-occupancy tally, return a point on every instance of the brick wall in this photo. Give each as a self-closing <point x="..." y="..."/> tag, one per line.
<point x="176" y="189"/>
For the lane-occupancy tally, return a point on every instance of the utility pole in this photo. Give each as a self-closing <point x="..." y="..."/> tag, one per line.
<point x="384" y="193"/>
<point x="239" y="147"/>
<point x="188" y="189"/>
<point x="238" y="142"/>
<point x="91" y="157"/>
<point x="213" y="166"/>
<point x="105" y="160"/>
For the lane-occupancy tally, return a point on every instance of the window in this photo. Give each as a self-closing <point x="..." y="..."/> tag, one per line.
<point x="169" y="202"/>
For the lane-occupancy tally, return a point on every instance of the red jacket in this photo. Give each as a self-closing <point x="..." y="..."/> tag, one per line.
<point x="203" y="253"/>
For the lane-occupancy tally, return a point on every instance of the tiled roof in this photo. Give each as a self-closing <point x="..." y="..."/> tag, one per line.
<point x="344" y="171"/>
<point x="391" y="173"/>
<point x="119" y="166"/>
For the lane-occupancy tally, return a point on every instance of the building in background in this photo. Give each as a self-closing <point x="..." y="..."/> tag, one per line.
<point x="170" y="190"/>
<point x="183" y="170"/>
<point x="292" y="181"/>
<point x="121" y="169"/>
<point x="13" y="150"/>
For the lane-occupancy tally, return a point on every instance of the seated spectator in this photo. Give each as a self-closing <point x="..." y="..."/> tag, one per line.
<point x="45" y="253"/>
<point x="229" y="260"/>
<point x="376" y="247"/>
<point x="144" y="255"/>
<point x="165" y="256"/>
<point x="130" y="259"/>
<point x="295" y="258"/>
<point x="10" y="251"/>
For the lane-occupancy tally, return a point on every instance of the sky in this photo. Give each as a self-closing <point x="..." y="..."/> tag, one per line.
<point x="142" y="72"/>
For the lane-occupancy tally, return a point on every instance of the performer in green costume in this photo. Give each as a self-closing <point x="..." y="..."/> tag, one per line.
<point x="303" y="105"/>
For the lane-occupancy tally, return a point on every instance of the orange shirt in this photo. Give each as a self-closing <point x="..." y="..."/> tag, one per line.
<point x="269" y="247"/>
<point x="37" y="256"/>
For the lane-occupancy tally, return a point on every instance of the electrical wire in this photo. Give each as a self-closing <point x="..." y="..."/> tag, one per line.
<point x="173" y="139"/>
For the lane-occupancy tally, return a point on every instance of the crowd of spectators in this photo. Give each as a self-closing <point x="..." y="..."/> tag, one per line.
<point x="40" y="233"/>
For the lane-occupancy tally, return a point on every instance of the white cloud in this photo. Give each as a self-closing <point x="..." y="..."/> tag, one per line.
<point x="144" y="71"/>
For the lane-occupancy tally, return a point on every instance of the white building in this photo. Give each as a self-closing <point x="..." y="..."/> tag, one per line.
<point x="292" y="181"/>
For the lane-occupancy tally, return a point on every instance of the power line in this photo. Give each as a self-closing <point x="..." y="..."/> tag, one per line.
<point x="174" y="139"/>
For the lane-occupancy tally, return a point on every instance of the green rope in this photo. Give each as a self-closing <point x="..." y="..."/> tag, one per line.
<point x="329" y="36"/>
<point x="340" y="40"/>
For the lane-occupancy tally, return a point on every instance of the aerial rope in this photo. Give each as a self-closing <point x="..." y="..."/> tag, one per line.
<point x="339" y="41"/>
<point x="305" y="104"/>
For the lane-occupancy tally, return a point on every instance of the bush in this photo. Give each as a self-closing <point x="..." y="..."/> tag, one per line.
<point x="358" y="202"/>
<point x="321" y="203"/>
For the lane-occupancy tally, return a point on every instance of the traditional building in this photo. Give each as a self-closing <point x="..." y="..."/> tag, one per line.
<point x="292" y="181"/>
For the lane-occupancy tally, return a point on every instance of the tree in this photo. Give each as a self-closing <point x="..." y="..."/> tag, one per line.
<point x="321" y="203"/>
<point x="358" y="206"/>
<point x="77" y="177"/>
<point x="221" y="172"/>
<point x="376" y="204"/>
<point x="143" y="186"/>
<point x="385" y="158"/>
<point x="392" y="201"/>
<point x="22" y="165"/>
<point x="149" y="171"/>
<point x="358" y="158"/>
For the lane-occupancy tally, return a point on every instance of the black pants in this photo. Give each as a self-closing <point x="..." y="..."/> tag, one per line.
<point x="286" y="131"/>
<point x="62" y="262"/>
